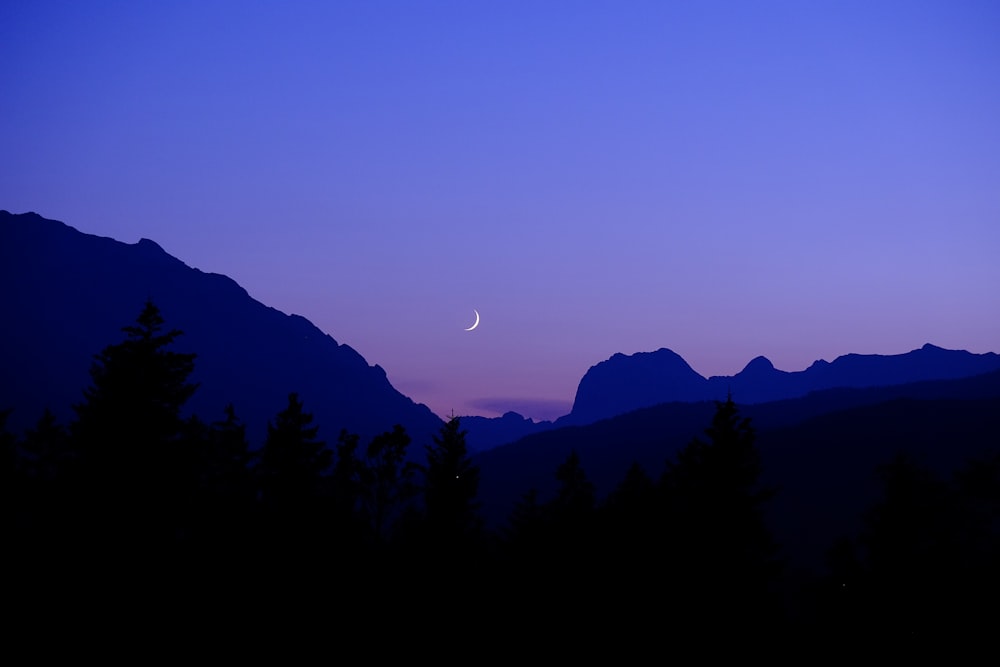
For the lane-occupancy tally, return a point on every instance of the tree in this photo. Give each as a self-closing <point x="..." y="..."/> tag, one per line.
<point x="451" y="482"/>
<point x="129" y="425"/>
<point x="720" y="546"/>
<point x="47" y="450"/>
<point x="387" y="484"/>
<point x="572" y="508"/>
<point x="912" y="537"/>
<point x="292" y="462"/>
<point x="223" y="494"/>
<point x="227" y="459"/>
<point x="628" y="516"/>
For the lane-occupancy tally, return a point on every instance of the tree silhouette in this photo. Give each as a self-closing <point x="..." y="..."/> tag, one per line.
<point x="223" y="495"/>
<point x="451" y="482"/>
<point x="911" y="537"/>
<point x="387" y="483"/>
<point x="628" y="518"/>
<point x="346" y="492"/>
<point x="572" y="508"/>
<point x="721" y="551"/>
<point x="129" y="426"/>
<point x="47" y="452"/>
<point x="227" y="458"/>
<point x="292" y="462"/>
<point x="47" y="462"/>
<point x="525" y="529"/>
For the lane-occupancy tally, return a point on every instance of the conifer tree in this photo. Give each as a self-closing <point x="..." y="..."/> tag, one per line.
<point x="451" y="482"/>
<point x="387" y="482"/>
<point x="224" y="485"/>
<point x="227" y="458"/>
<point x="129" y="425"/>
<point x="293" y="461"/>
<point x="572" y="510"/>
<point x="525" y="524"/>
<point x="46" y="449"/>
<point x="720" y="546"/>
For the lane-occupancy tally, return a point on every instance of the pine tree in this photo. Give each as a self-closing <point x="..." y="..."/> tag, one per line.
<point x="721" y="550"/>
<point x="224" y="486"/>
<point x="128" y="427"/>
<point x="451" y="482"/>
<point x="293" y="462"/>
<point x="573" y="507"/>
<point x="47" y="450"/>
<point x="387" y="482"/>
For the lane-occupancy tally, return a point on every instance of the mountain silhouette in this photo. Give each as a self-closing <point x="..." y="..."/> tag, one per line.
<point x="483" y="433"/>
<point x="819" y="450"/>
<point x="65" y="295"/>
<point x="624" y="383"/>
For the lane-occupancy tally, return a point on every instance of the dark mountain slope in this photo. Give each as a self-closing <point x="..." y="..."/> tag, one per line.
<point x="828" y="437"/>
<point x="65" y="295"/>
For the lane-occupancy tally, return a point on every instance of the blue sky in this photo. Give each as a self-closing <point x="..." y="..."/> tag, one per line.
<point x="797" y="180"/>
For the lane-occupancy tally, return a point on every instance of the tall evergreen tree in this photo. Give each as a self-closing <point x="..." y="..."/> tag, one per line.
<point x="293" y="461"/>
<point x="388" y="487"/>
<point x="451" y="482"/>
<point x="48" y="456"/>
<point x="227" y="458"/>
<point x="721" y="549"/>
<point x="572" y="509"/>
<point x="129" y="425"/>
<point x="224" y="493"/>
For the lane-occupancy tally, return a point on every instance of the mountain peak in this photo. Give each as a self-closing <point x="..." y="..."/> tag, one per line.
<point x="758" y="365"/>
<point x="150" y="245"/>
<point x="627" y="382"/>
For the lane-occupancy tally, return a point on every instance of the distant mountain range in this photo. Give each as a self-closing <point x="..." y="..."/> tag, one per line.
<point x="625" y="383"/>
<point x="65" y="295"/>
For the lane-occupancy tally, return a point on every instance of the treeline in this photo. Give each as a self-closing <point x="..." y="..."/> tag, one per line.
<point x="132" y="494"/>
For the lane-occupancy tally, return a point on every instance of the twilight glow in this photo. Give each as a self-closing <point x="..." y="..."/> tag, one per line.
<point x="797" y="180"/>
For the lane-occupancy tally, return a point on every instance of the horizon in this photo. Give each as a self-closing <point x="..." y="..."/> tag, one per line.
<point x="642" y="353"/>
<point x="722" y="180"/>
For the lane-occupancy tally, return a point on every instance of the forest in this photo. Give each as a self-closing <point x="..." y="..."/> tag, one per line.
<point x="134" y="499"/>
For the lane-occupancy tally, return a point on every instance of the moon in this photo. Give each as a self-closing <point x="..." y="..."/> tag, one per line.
<point x="476" y="323"/>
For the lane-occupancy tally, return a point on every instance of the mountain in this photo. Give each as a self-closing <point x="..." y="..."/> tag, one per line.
<point x="65" y="295"/>
<point x="819" y="451"/>
<point x="624" y="383"/>
<point x="483" y="433"/>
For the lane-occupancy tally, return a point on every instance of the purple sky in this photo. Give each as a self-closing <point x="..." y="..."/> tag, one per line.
<point x="797" y="180"/>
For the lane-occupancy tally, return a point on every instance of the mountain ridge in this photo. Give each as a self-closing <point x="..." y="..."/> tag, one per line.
<point x="56" y="276"/>
<point x="646" y="379"/>
<point x="67" y="294"/>
<point x="624" y="383"/>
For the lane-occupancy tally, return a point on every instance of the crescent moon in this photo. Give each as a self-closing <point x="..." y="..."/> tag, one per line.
<point x="476" y="323"/>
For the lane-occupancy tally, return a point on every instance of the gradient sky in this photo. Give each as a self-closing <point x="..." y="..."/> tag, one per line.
<point x="797" y="180"/>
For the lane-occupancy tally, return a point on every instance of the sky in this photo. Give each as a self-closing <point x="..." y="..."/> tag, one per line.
<point x="798" y="180"/>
